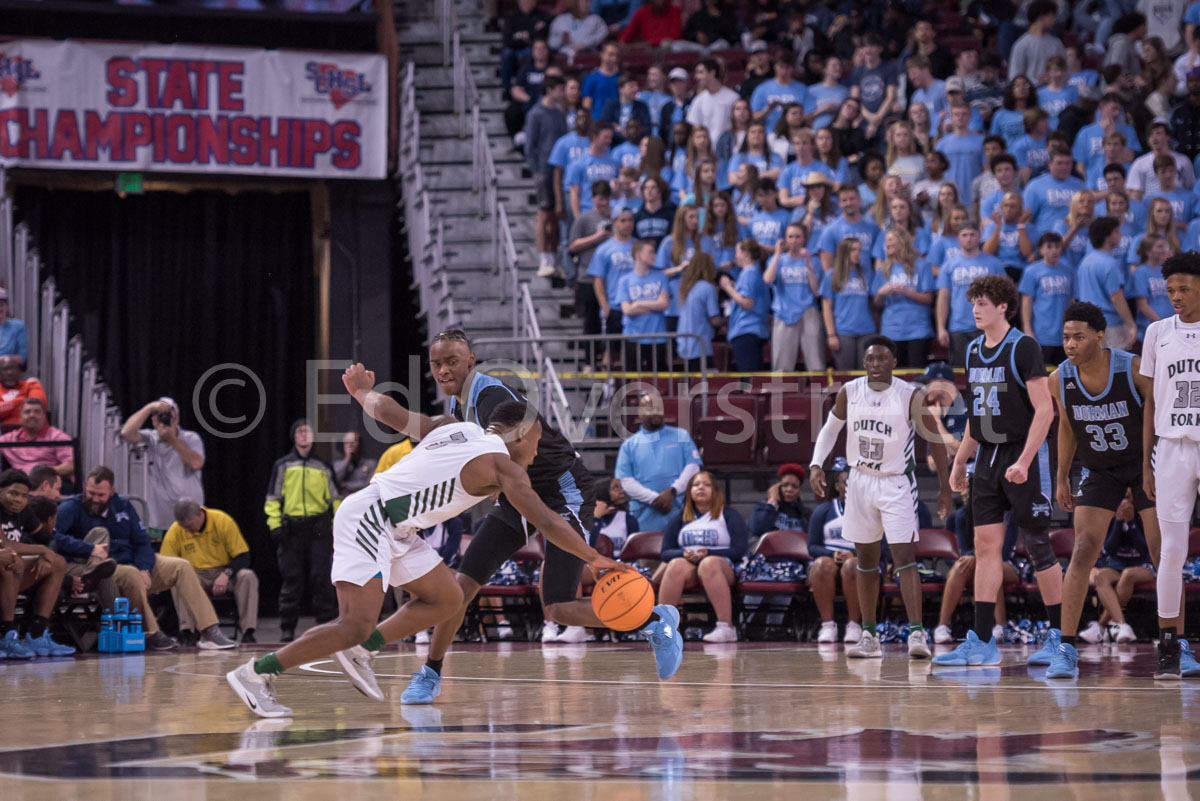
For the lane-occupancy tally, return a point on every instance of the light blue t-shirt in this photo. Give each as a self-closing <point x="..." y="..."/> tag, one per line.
<point x="1051" y="290"/>
<point x="1190" y="240"/>
<point x="770" y="91"/>
<point x="1084" y="78"/>
<point x="821" y="95"/>
<point x="767" y="227"/>
<point x="1135" y="216"/>
<point x="754" y="320"/>
<point x="1008" y="124"/>
<point x="663" y="261"/>
<point x="1031" y="153"/>
<point x="627" y="154"/>
<point x="943" y="249"/>
<point x="655" y="102"/>
<point x="744" y="204"/>
<point x="695" y="317"/>
<point x="633" y="287"/>
<point x="567" y="149"/>
<point x="1049" y="199"/>
<point x="851" y="304"/>
<point x="1089" y="145"/>
<point x="956" y="276"/>
<point x="655" y="459"/>
<point x="1076" y="249"/>
<point x="713" y="247"/>
<point x="792" y="176"/>
<point x="587" y="170"/>
<point x="988" y="204"/>
<point x="1147" y="282"/>
<point x="1097" y="278"/>
<point x="1183" y="204"/>
<point x="921" y="243"/>
<point x="865" y="231"/>
<point x="792" y="292"/>
<point x="611" y="261"/>
<point x="903" y="318"/>
<point x="14" y="339"/>
<point x="770" y="161"/>
<point x="1053" y="101"/>
<point x="966" y="159"/>
<point x="1009" y="253"/>
<point x="934" y="99"/>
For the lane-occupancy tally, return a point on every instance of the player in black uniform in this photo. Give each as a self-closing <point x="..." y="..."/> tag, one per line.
<point x="1009" y="413"/>
<point x="1100" y="394"/>
<point x="558" y="477"/>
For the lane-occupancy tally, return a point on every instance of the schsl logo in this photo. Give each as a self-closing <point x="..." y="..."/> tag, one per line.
<point x="14" y="72"/>
<point x="341" y="85"/>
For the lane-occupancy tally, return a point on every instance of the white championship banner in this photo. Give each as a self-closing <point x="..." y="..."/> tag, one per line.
<point x="174" y="108"/>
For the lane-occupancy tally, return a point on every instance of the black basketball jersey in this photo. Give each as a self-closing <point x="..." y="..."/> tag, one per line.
<point x="999" y="408"/>
<point x="1108" y="426"/>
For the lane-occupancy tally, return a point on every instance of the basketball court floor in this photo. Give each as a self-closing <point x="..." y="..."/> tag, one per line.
<point x="524" y="721"/>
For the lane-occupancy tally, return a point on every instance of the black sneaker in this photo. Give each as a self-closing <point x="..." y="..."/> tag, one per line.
<point x="160" y="642"/>
<point x="248" y="637"/>
<point x="1168" y="663"/>
<point x="188" y="638"/>
<point x="287" y="634"/>
<point x="97" y="572"/>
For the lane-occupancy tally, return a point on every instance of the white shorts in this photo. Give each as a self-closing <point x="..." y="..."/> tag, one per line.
<point x="366" y="545"/>
<point x="879" y="505"/>
<point x="1176" y="478"/>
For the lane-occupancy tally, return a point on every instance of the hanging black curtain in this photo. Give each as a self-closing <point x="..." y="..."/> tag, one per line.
<point x="165" y="286"/>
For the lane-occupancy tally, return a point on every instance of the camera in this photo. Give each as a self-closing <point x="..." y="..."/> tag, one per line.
<point x="163" y="417"/>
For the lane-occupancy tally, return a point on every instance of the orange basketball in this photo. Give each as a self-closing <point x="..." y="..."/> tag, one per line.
<point x="623" y="601"/>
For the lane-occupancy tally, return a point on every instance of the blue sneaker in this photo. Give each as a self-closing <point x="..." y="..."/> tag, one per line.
<point x="12" y="647"/>
<point x="424" y="687"/>
<point x="1064" y="664"/>
<point x="44" y="646"/>
<point x="667" y="641"/>
<point x="971" y="652"/>
<point x="1188" y="666"/>
<point x="1048" y="650"/>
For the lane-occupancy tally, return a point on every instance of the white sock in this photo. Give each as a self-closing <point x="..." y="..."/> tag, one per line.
<point x="721" y="625"/>
<point x="1170" y="567"/>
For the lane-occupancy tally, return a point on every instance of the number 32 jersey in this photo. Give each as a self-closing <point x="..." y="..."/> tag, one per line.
<point x="1171" y="356"/>
<point x="1108" y="426"/>
<point x="879" y="435"/>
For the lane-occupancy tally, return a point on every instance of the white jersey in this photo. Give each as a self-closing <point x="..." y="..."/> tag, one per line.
<point x="1171" y="356"/>
<point x="879" y="432"/>
<point x="425" y="487"/>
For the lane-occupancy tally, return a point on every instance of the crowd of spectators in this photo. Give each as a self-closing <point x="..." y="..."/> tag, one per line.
<point x="867" y="163"/>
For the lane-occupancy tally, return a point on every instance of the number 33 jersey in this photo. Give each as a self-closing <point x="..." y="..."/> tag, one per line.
<point x="1108" y="426"/>
<point x="1171" y="356"/>
<point x="879" y="436"/>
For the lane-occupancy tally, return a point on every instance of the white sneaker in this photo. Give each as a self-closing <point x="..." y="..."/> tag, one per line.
<point x="918" y="644"/>
<point x="1125" y="633"/>
<point x="504" y="632"/>
<point x="828" y="632"/>
<point x="1093" y="633"/>
<point x="854" y="633"/>
<point x="943" y="635"/>
<point x="257" y="691"/>
<point x="998" y="633"/>
<point x="722" y="633"/>
<point x="866" y="648"/>
<point x="546" y="266"/>
<point x="549" y="631"/>
<point x="573" y="634"/>
<point x="359" y="666"/>
<point x="422" y="637"/>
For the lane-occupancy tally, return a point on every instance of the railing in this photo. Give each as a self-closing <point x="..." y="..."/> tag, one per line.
<point x="80" y="403"/>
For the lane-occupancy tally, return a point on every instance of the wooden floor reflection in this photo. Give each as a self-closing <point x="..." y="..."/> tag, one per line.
<point x="773" y="720"/>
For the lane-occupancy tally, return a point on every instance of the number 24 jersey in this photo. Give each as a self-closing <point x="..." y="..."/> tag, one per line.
<point x="1171" y="356"/>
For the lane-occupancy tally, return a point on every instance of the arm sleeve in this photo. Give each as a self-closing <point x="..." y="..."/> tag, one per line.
<point x="739" y="540"/>
<point x="240" y="562"/>
<point x="274" y="503"/>
<point x="66" y="545"/>
<point x="680" y="484"/>
<point x="816" y="532"/>
<point x="638" y="491"/>
<point x="670" y="542"/>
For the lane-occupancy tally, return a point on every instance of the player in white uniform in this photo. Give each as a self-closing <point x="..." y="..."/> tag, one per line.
<point x="884" y="414"/>
<point x="1171" y="440"/>
<point x="376" y="543"/>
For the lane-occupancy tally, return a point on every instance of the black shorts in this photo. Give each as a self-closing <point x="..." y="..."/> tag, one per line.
<point x="544" y="184"/>
<point x="992" y="494"/>
<point x="1105" y="489"/>
<point x="504" y="532"/>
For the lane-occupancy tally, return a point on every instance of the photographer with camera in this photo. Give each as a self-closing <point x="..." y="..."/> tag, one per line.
<point x="175" y="455"/>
